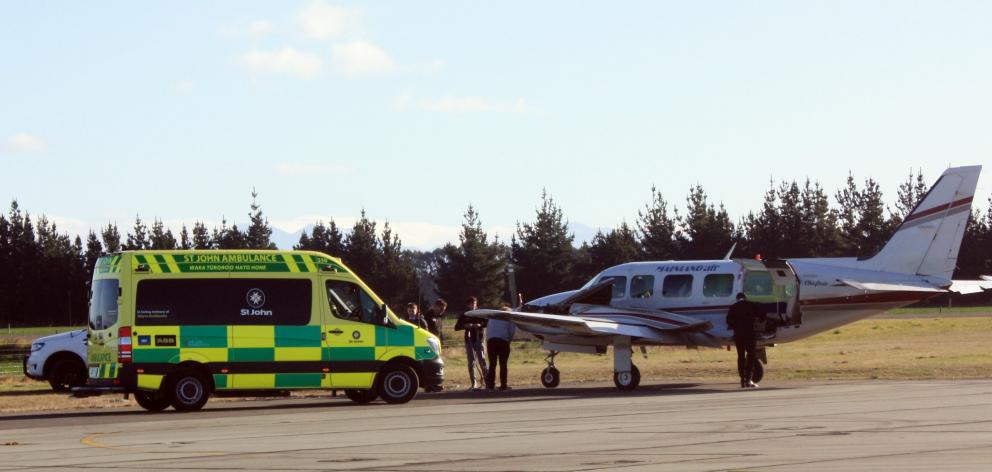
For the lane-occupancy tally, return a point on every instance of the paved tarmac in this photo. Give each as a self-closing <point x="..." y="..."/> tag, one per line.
<point x="864" y="425"/>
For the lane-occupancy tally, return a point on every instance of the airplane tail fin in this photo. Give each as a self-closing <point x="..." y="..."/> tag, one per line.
<point x="928" y="240"/>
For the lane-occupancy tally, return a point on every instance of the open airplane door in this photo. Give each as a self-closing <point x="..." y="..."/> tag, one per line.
<point x="775" y="286"/>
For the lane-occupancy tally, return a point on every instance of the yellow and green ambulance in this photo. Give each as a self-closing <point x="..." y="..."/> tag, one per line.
<point x="173" y="327"/>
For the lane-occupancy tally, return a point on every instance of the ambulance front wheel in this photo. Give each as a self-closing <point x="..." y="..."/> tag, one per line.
<point x="151" y="401"/>
<point x="362" y="396"/>
<point x="550" y="377"/>
<point x="187" y="390"/>
<point x="397" y="383"/>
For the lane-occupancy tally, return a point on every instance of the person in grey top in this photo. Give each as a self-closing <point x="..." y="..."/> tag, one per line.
<point x="499" y="333"/>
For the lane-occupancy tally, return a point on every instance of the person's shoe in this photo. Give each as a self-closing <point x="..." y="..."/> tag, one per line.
<point x="752" y="384"/>
<point x="504" y="388"/>
<point x="744" y="384"/>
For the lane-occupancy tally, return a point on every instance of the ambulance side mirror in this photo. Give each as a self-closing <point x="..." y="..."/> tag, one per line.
<point x="383" y="314"/>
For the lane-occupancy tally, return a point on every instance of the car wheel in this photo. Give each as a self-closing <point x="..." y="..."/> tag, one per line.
<point x="361" y="396"/>
<point x="187" y="390"/>
<point x="65" y="374"/>
<point x="151" y="401"/>
<point x="397" y="384"/>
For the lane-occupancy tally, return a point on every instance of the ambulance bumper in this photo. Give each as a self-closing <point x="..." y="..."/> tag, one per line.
<point x="125" y="382"/>
<point x="431" y="373"/>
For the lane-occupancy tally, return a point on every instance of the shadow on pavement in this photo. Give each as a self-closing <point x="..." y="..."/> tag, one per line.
<point x="276" y="405"/>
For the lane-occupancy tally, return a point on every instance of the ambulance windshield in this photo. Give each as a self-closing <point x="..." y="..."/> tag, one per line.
<point x="103" y="304"/>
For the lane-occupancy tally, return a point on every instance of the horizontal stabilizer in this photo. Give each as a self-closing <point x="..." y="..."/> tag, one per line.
<point x="909" y="286"/>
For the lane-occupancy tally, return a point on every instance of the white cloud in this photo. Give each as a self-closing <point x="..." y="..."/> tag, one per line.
<point x="259" y="28"/>
<point x="286" y="61"/>
<point x="25" y="142"/>
<point x="406" y="102"/>
<point x="360" y="57"/>
<point x="318" y="20"/>
<point x="297" y="168"/>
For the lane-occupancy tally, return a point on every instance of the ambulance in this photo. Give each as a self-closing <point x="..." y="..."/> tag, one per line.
<point x="174" y="327"/>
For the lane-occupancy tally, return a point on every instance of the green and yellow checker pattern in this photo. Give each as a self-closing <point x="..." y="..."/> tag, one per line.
<point x="276" y="357"/>
<point x="224" y="261"/>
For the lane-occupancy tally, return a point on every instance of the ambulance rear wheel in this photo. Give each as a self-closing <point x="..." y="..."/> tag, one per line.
<point x="757" y="372"/>
<point x="187" y="390"/>
<point x="550" y="377"/>
<point x="362" y="396"/>
<point x="151" y="401"/>
<point x="397" y="384"/>
<point x="627" y="380"/>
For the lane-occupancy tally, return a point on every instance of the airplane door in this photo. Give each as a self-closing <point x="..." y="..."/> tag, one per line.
<point x="776" y="288"/>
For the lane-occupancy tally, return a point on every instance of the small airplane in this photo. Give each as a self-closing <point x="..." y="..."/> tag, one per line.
<point x="685" y="303"/>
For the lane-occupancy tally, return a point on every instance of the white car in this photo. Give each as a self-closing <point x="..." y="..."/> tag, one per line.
<point x="60" y="359"/>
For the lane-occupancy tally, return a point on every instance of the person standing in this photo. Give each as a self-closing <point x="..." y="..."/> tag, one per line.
<point x="473" y="328"/>
<point x="434" y="317"/>
<point x="413" y="315"/>
<point x="741" y="318"/>
<point x="499" y="333"/>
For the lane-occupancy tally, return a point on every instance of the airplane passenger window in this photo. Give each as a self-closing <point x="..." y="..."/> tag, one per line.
<point x="718" y="285"/>
<point x="642" y="286"/>
<point x="677" y="286"/>
<point x="758" y="283"/>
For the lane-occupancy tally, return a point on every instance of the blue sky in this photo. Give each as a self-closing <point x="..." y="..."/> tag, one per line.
<point x="176" y="110"/>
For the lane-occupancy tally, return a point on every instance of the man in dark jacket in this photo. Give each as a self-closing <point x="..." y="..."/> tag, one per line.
<point x="434" y="317"/>
<point x="741" y="318"/>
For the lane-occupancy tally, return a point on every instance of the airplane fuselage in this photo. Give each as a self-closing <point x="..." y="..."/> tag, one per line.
<point x="803" y="296"/>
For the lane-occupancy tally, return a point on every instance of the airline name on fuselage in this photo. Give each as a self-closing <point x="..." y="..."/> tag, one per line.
<point x="689" y="268"/>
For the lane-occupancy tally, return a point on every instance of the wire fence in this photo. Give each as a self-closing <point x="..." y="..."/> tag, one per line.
<point x="11" y="360"/>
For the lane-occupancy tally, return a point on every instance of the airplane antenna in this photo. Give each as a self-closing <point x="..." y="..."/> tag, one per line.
<point x="731" y="251"/>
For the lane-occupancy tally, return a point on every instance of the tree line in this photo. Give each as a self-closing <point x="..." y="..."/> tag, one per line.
<point x="46" y="272"/>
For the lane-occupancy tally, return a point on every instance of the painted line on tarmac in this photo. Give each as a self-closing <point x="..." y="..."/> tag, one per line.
<point x="91" y="441"/>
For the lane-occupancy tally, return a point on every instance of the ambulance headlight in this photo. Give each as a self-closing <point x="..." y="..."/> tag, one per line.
<point x="37" y="346"/>
<point x="435" y="345"/>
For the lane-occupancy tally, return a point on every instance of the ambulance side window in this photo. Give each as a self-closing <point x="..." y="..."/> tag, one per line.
<point x="349" y="302"/>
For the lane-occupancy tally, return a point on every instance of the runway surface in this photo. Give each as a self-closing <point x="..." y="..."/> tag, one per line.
<point x="873" y="425"/>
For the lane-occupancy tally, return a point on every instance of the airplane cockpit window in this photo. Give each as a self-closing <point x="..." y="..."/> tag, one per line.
<point x="349" y="302"/>
<point x="718" y="285"/>
<point x="677" y="286"/>
<point x="619" y="286"/>
<point x="641" y="286"/>
<point x="758" y="283"/>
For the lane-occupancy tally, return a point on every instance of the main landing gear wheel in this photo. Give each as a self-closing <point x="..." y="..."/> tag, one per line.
<point x="362" y="396"/>
<point x="550" y="377"/>
<point x="627" y="380"/>
<point x="757" y="372"/>
<point x="151" y="401"/>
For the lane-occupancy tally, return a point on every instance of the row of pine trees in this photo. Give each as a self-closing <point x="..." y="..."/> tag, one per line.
<point x="45" y="274"/>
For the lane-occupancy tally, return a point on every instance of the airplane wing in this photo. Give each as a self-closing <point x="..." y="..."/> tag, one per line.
<point x="605" y="322"/>
<point x="907" y="286"/>
<point x="971" y="286"/>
